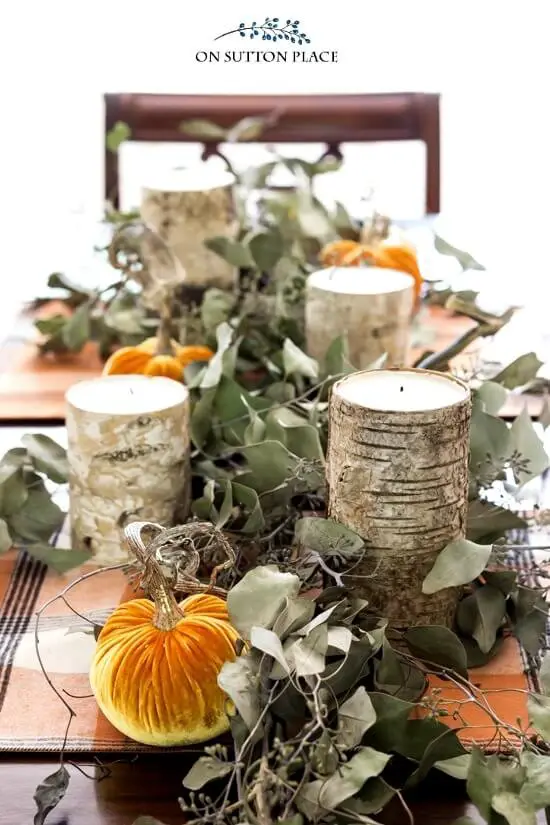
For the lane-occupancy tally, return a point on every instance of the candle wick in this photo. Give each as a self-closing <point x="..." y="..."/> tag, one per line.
<point x="400" y="389"/>
<point x="132" y="392"/>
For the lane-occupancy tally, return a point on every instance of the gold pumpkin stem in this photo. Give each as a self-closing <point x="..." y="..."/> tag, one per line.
<point x="376" y="231"/>
<point x="167" y="613"/>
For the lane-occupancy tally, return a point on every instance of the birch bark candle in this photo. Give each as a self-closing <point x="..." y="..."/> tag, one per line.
<point x="128" y="453"/>
<point x="185" y="208"/>
<point x="397" y="474"/>
<point x="371" y="305"/>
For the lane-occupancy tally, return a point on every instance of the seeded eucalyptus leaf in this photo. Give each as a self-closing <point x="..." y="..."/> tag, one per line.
<point x="355" y="717"/>
<point x="465" y="260"/>
<point x="38" y="518"/>
<point x="77" y="330"/>
<point x="327" y="537"/>
<point x="309" y="652"/>
<point x="47" y="456"/>
<point x="460" y="562"/>
<point x="13" y="489"/>
<point x="392" y="716"/>
<point x="490" y="522"/>
<point x="544" y="674"/>
<point x="337" y="361"/>
<point x="445" y="746"/>
<point x="491" y="609"/>
<point x="268" y="642"/>
<point x="239" y="680"/>
<point x="258" y="598"/>
<point x="530" y="625"/>
<point x="248" y="498"/>
<point x="216" y="308"/>
<point x="5" y="538"/>
<point x="215" y="369"/>
<point x="266" y="248"/>
<point x="203" y="129"/>
<point x="296" y="613"/>
<point x="439" y="646"/>
<point x="513" y="808"/>
<point x="249" y="128"/>
<point x="396" y="677"/>
<point x="492" y="396"/>
<point x="519" y="372"/>
<point x="538" y="706"/>
<point x="234" y="252"/>
<point x="536" y="789"/>
<point x="201" y="417"/>
<point x="489" y="445"/>
<point x="49" y="794"/>
<point x="226" y="508"/>
<point x="57" y="558"/>
<point x="296" y="362"/>
<point x="456" y="766"/>
<point x="525" y="443"/>
<point x="371" y="799"/>
<point x="351" y="776"/>
<point x="503" y="580"/>
<point x="205" y="769"/>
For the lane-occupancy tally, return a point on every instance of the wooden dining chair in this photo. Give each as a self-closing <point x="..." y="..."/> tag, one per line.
<point x="329" y="119"/>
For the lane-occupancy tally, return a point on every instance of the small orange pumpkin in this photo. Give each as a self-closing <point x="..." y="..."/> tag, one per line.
<point x="156" y="665"/>
<point x="385" y="255"/>
<point x="145" y="359"/>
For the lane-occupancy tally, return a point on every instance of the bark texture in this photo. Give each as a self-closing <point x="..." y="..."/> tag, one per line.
<point x="374" y="323"/>
<point x="399" y="480"/>
<point x="184" y="220"/>
<point x="126" y="468"/>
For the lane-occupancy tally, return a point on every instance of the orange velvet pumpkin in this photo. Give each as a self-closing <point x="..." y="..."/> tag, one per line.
<point x="385" y="255"/>
<point x="145" y="359"/>
<point x="155" y="669"/>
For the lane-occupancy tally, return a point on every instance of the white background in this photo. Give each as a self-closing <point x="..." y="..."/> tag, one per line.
<point x="489" y="60"/>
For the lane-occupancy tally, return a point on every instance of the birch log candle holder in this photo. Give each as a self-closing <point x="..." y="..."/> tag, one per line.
<point x="397" y="474"/>
<point x="187" y="207"/>
<point x="129" y="459"/>
<point x="370" y="305"/>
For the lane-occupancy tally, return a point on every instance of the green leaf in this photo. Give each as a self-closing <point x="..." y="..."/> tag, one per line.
<point x="266" y="248"/>
<point x="513" y="808"/>
<point x="312" y="218"/>
<point x="215" y="369"/>
<point x="249" y="128"/>
<point x="492" y="396"/>
<point x="58" y="558"/>
<point x="336" y="361"/>
<point x="203" y="129"/>
<point x="398" y="678"/>
<point x="296" y="362"/>
<point x="524" y="442"/>
<point x="247" y="497"/>
<point x="77" y="330"/>
<point x="438" y="750"/>
<point x="296" y="613"/>
<point x="309" y="652"/>
<point x="351" y="776"/>
<point x="489" y="441"/>
<point x="234" y="252"/>
<point x="519" y="372"/>
<point x="226" y="508"/>
<point x="201" y="417"/>
<point x="539" y="714"/>
<point x="292" y="430"/>
<point x="216" y="308"/>
<point x="437" y="645"/>
<point x="503" y="580"/>
<point x="489" y="522"/>
<point x="531" y="616"/>
<point x="276" y="470"/>
<point x="491" y="609"/>
<point x="47" y="457"/>
<point x="474" y="655"/>
<point x="5" y="538"/>
<point x="343" y="222"/>
<point x="258" y="598"/>
<point x="206" y="769"/>
<point x="355" y="716"/>
<point x="13" y="490"/>
<point x="268" y="642"/>
<point x="371" y="799"/>
<point x="392" y="716"/>
<point x="536" y="789"/>
<point x="465" y="260"/>
<point x="457" y="766"/>
<point x="239" y="680"/>
<point x="327" y="537"/>
<point x="118" y="134"/>
<point x="49" y="794"/>
<point x="544" y="673"/>
<point x="38" y="518"/>
<point x="460" y="562"/>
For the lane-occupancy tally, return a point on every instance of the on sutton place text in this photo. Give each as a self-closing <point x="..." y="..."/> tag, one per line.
<point x="267" y="57"/>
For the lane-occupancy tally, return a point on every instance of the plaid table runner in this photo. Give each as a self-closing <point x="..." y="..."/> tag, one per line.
<point x="32" y="718"/>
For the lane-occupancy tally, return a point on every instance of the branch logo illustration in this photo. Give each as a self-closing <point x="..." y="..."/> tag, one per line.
<point x="272" y="29"/>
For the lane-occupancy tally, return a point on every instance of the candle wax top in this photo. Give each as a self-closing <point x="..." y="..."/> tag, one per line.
<point x="360" y="280"/>
<point x="402" y="390"/>
<point x="193" y="179"/>
<point x="126" y="394"/>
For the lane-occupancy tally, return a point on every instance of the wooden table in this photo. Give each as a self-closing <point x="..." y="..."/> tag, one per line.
<point x="32" y="387"/>
<point x="151" y="786"/>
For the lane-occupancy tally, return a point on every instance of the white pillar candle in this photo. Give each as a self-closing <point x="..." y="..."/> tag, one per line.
<point x="186" y="207"/>
<point x="371" y="305"/>
<point x="128" y="453"/>
<point x="397" y="474"/>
